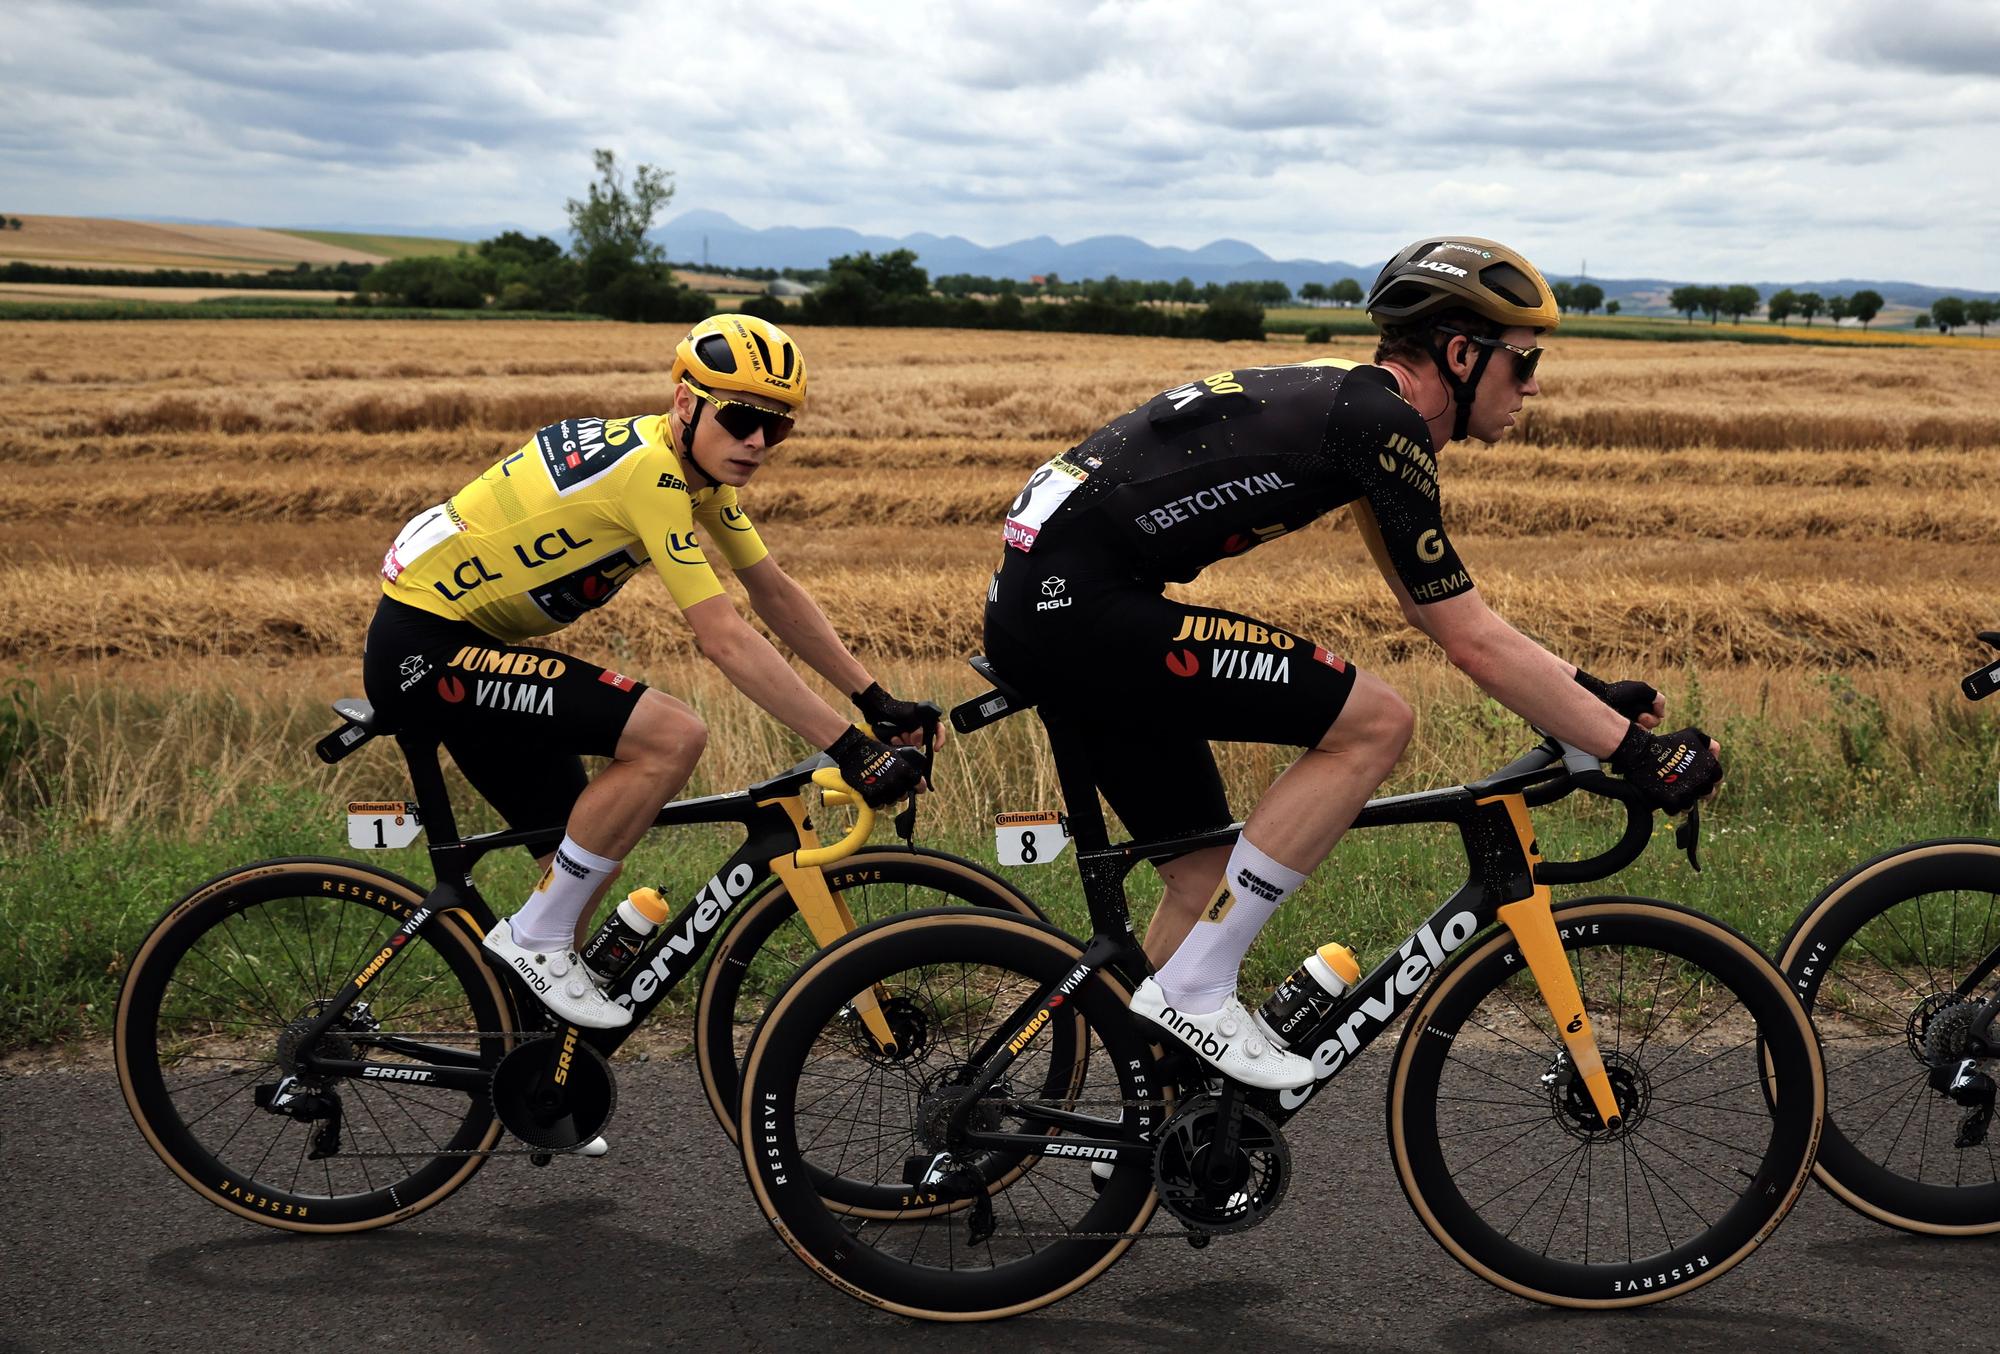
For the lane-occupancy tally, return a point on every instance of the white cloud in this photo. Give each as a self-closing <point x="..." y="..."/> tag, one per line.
<point x="1672" y="137"/>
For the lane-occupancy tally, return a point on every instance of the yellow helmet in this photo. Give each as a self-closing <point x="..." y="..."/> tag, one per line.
<point x="743" y="353"/>
<point x="1460" y="272"/>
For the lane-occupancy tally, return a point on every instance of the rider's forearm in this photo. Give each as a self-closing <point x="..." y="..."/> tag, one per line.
<point x="1535" y="684"/>
<point x="797" y="620"/>
<point x="760" y="672"/>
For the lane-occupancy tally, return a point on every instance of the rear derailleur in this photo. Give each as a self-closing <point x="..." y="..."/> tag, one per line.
<point x="1955" y="1041"/>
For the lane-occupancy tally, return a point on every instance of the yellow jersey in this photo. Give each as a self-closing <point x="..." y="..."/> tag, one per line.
<point x="556" y="528"/>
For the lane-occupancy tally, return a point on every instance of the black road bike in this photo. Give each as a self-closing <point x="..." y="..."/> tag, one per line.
<point x="321" y="1045"/>
<point x="1598" y="1103"/>
<point x="1896" y="963"/>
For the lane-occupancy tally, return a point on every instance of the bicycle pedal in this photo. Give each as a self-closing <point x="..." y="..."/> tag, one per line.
<point x="1199" y="1240"/>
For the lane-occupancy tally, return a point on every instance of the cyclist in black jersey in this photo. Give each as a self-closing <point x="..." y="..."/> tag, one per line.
<point x="1133" y="685"/>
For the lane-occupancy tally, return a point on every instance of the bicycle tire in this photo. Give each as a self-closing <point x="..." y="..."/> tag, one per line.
<point x="1873" y="959"/>
<point x="1714" y="1060"/>
<point x="766" y="941"/>
<point x="212" y="988"/>
<point x="985" y="965"/>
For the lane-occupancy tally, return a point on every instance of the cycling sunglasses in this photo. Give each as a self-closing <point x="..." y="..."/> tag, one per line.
<point x="739" y="420"/>
<point x="1525" y="359"/>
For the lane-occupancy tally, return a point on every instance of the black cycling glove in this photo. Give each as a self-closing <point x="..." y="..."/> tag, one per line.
<point x="874" y="769"/>
<point x="1673" y="770"/>
<point x="1630" y="699"/>
<point x="889" y="717"/>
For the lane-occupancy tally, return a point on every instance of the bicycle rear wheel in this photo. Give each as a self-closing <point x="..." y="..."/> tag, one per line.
<point x="1505" y="1160"/>
<point x="202" y="1023"/>
<point x="768" y="941"/>
<point x="1896" y="946"/>
<point x="820" y="1102"/>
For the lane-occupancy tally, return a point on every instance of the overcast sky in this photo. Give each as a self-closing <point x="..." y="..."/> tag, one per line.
<point x="1691" y="139"/>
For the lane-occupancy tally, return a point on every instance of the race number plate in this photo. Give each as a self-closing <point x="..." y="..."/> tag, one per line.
<point x="1046" y="490"/>
<point x="1030" y="838"/>
<point x="379" y="827"/>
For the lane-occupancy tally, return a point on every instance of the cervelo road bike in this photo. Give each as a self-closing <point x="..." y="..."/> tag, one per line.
<point x="1896" y="963"/>
<point x="1598" y="1103"/>
<point x="321" y="1045"/>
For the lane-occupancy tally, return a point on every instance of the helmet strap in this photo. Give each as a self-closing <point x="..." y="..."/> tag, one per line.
<point x="1462" y="387"/>
<point x="688" y="462"/>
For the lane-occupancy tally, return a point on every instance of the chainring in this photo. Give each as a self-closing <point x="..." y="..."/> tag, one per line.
<point x="1253" y="1183"/>
<point x="554" y="1094"/>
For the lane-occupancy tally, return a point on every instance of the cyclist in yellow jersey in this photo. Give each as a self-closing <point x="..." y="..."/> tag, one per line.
<point x="554" y="530"/>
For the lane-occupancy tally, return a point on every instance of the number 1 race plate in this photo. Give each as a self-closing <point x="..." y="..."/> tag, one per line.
<point x="377" y="827"/>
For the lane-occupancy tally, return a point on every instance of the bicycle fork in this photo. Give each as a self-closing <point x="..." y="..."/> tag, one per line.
<point x="1533" y="924"/>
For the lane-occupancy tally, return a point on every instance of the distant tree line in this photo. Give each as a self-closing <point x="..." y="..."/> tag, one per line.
<point x="1955" y="312"/>
<point x="305" y="277"/>
<point x="609" y="269"/>
<point x="890" y="289"/>
<point x="10" y="222"/>
<point x="1742" y="300"/>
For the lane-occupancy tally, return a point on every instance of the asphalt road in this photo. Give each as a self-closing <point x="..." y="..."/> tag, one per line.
<point x="659" y="1246"/>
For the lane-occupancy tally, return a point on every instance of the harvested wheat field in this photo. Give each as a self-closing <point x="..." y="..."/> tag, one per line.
<point x="202" y="506"/>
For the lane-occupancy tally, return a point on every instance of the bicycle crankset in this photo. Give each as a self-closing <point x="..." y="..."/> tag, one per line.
<point x="1220" y="1166"/>
<point x="554" y="1093"/>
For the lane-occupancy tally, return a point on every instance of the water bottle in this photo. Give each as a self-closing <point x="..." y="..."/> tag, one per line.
<point x="618" y="942"/>
<point x="1302" y="999"/>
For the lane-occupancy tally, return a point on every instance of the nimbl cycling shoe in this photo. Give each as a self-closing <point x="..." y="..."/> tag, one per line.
<point x="1227" y="1040"/>
<point x="560" y="980"/>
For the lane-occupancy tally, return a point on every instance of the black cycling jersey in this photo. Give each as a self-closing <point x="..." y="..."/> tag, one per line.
<point x="1218" y="466"/>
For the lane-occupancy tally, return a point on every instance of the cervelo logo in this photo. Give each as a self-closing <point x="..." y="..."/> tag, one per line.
<point x="706" y="910"/>
<point x="1381" y="1007"/>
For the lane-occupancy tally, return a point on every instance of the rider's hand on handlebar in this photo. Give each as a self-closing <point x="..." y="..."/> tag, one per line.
<point x="879" y="774"/>
<point x="900" y="722"/>
<point x="1633" y="699"/>
<point x="1674" y="770"/>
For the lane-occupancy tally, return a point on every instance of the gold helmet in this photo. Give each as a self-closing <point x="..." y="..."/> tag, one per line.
<point x="1460" y="273"/>
<point x="743" y="353"/>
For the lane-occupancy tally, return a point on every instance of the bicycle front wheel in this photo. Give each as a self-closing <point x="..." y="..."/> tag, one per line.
<point x="1501" y="1151"/>
<point x="768" y="941"/>
<point x="1904" y="942"/>
<point x="821" y="1102"/>
<point x="232" y="972"/>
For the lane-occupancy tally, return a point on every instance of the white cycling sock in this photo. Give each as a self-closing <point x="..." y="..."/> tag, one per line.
<point x="546" y="923"/>
<point x="1201" y="974"/>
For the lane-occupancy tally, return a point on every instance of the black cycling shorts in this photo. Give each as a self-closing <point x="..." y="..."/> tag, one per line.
<point x="1133" y="686"/>
<point x="516" y="719"/>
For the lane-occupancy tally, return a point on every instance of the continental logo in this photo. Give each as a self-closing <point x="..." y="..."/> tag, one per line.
<point x="1028" y="1031"/>
<point x="471" y="658"/>
<point x="562" y="1060"/>
<point x="1230" y="629"/>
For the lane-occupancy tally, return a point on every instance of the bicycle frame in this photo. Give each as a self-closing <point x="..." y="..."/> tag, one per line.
<point x="779" y="840"/>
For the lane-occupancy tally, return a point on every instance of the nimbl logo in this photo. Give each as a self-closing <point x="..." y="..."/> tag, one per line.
<point x="1193" y="1035"/>
<point x="1420" y="954"/>
<point x="697" y="919"/>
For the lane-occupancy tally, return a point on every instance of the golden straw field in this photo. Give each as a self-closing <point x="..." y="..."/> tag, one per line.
<point x="201" y="506"/>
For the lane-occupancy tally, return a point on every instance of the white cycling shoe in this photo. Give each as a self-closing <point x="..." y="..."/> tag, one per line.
<point x="1227" y="1040"/>
<point x="560" y="980"/>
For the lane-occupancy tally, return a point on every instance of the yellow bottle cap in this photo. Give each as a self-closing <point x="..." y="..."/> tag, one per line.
<point x="648" y="904"/>
<point x="1341" y="960"/>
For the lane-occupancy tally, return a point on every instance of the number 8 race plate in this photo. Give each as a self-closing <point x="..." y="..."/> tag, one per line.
<point x="1029" y="838"/>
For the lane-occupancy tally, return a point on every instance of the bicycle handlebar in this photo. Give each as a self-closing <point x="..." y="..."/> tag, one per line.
<point x="838" y="791"/>
<point x="1555" y="770"/>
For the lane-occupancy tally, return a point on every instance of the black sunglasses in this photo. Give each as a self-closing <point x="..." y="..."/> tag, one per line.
<point x="1525" y="359"/>
<point x="739" y="420"/>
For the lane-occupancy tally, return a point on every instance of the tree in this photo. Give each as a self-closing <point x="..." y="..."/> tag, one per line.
<point x="1611" y="307"/>
<point x="1836" y="309"/>
<point x="13" y="223"/>
<point x="1923" y="320"/>
<point x="1184" y="290"/>
<point x="431" y="282"/>
<point x="1230" y="318"/>
<point x="1565" y="296"/>
<point x="1982" y="313"/>
<point x="1346" y="291"/>
<point x="1686" y="300"/>
<point x="1949" y="312"/>
<point x="1739" y="300"/>
<point x="1312" y="293"/>
<point x="1587" y="296"/>
<point x="615" y="218"/>
<point x="1783" y="303"/>
<point x="1810" y="304"/>
<point x="1864" y="305"/>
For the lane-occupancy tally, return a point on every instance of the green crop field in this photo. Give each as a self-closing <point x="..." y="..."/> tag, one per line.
<point x="389" y="246"/>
